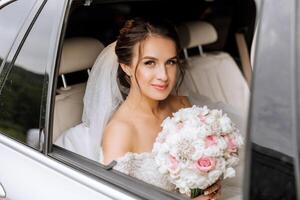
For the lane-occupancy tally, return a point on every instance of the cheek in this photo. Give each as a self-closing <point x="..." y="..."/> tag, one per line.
<point x="143" y="75"/>
<point x="172" y="73"/>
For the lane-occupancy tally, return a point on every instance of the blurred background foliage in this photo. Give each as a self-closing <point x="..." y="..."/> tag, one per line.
<point x="20" y="100"/>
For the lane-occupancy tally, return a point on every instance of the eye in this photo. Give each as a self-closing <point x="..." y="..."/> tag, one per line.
<point x="149" y="63"/>
<point x="172" y="62"/>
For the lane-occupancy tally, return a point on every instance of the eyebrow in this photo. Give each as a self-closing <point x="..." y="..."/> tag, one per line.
<point x="153" y="58"/>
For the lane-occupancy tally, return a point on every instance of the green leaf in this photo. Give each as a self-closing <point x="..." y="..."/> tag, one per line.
<point x="195" y="192"/>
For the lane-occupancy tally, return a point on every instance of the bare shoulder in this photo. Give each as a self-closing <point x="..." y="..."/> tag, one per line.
<point x="117" y="139"/>
<point x="178" y="102"/>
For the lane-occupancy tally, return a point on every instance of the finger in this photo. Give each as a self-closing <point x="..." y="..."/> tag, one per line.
<point x="213" y="196"/>
<point x="212" y="188"/>
<point x="216" y="195"/>
<point x="202" y="197"/>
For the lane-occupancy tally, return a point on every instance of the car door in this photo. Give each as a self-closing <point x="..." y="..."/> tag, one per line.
<point x="273" y="169"/>
<point x="30" y="32"/>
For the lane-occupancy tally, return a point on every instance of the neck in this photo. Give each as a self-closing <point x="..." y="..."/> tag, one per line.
<point x="137" y="101"/>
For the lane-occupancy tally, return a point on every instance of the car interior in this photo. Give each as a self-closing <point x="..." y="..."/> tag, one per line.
<point x="78" y="54"/>
<point x="206" y="31"/>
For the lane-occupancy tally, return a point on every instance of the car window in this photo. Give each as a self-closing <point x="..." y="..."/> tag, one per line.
<point x="12" y="17"/>
<point x="23" y="93"/>
<point x="70" y="130"/>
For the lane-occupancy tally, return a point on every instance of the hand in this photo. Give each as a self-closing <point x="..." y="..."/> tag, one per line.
<point x="211" y="193"/>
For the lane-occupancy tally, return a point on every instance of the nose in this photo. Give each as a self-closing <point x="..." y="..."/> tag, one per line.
<point x="162" y="73"/>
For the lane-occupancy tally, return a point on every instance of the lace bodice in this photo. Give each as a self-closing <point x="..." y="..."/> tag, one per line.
<point x="142" y="166"/>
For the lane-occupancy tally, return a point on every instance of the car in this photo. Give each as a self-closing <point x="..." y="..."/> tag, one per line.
<point x="47" y="48"/>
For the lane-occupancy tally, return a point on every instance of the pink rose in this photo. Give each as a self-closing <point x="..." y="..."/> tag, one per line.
<point x="206" y="163"/>
<point x="173" y="163"/>
<point x="211" y="140"/>
<point x="231" y="144"/>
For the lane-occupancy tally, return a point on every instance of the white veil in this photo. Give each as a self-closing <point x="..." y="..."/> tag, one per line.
<point x="102" y="97"/>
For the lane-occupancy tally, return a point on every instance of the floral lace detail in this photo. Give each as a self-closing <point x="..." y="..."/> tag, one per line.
<point x="142" y="166"/>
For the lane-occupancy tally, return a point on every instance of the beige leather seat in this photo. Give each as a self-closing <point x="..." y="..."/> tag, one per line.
<point x="215" y="75"/>
<point x="77" y="54"/>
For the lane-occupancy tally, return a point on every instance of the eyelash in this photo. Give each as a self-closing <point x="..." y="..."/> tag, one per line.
<point x="172" y="62"/>
<point x="151" y="63"/>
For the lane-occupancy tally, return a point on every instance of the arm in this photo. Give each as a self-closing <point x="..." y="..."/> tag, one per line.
<point x="211" y="193"/>
<point x="116" y="141"/>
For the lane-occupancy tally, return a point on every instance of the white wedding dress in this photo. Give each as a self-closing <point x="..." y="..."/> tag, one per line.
<point x="143" y="167"/>
<point x="102" y="98"/>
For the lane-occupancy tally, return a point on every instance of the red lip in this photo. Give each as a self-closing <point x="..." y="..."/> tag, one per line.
<point x="160" y="87"/>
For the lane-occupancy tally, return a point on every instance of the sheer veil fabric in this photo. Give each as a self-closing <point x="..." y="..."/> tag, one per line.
<point x="103" y="97"/>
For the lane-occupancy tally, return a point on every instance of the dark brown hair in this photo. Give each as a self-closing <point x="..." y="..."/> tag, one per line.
<point x="136" y="31"/>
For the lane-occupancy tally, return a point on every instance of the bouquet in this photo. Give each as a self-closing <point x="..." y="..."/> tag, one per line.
<point x="196" y="147"/>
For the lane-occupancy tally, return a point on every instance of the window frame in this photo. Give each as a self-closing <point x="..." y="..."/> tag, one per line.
<point x="117" y="180"/>
<point x="16" y="47"/>
<point x="22" y="33"/>
<point x="4" y="3"/>
<point x="296" y="96"/>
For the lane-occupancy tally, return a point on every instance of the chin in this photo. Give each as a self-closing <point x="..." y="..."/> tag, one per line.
<point x="159" y="96"/>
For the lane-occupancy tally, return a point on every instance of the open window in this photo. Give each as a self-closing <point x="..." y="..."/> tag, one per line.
<point x="207" y="30"/>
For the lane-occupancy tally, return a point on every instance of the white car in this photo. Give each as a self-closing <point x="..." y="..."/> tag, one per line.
<point x="47" y="48"/>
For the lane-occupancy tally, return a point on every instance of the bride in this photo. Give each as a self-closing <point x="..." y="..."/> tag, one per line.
<point x="134" y="85"/>
<point x="148" y="57"/>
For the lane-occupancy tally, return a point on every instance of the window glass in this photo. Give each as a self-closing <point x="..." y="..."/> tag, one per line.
<point x="12" y="17"/>
<point x="24" y="88"/>
<point x="273" y="142"/>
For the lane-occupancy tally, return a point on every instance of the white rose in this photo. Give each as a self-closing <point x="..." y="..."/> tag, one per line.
<point x="222" y="144"/>
<point x="202" y="132"/>
<point x="225" y="124"/>
<point x="229" y="173"/>
<point x="163" y="170"/>
<point x="239" y="139"/>
<point x="216" y="113"/>
<point x="214" y="175"/>
<point x="214" y="151"/>
<point x="204" y="110"/>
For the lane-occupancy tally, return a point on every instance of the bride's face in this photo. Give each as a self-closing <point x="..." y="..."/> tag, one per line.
<point x="154" y="67"/>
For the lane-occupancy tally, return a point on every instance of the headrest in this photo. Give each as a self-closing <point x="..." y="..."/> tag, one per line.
<point x="197" y="33"/>
<point x="79" y="53"/>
